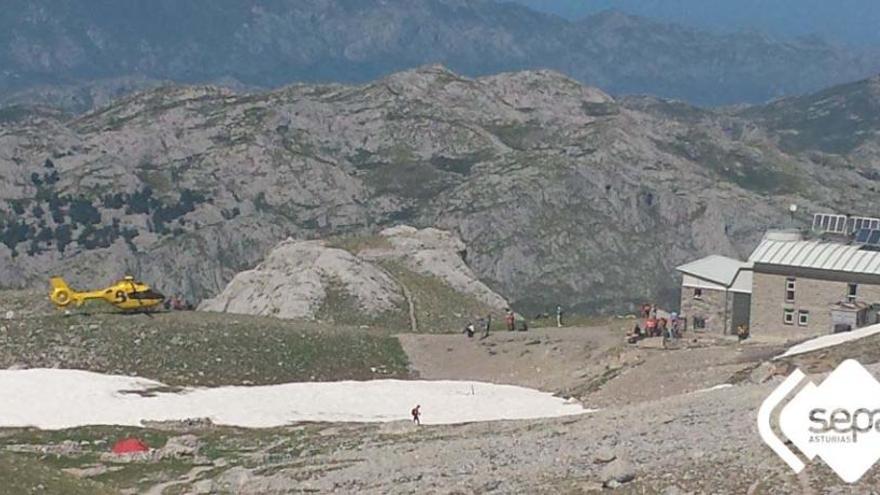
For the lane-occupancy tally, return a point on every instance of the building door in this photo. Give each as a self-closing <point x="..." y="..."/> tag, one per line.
<point x="741" y="308"/>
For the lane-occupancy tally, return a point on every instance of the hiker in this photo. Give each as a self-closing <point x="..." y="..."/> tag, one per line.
<point x="558" y="316"/>
<point x="469" y="330"/>
<point x="521" y="322"/>
<point x="510" y="320"/>
<point x="651" y="327"/>
<point x="416" y="414"/>
<point x="488" y="325"/>
<point x="662" y="324"/>
<point x="635" y="335"/>
<point x="646" y="311"/>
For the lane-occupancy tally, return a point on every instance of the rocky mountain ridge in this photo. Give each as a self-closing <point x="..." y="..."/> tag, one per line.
<point x="77" y="53"/>
<point x="562" y="193"/>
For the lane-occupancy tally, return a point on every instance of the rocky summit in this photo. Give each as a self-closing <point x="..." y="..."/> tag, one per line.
<point x="312" y="279"/>
<point x="293" y="282"/>
<point x="561" y="193"/>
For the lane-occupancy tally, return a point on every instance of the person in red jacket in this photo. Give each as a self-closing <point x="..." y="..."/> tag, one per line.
<point x="651" y="327"/>
<point x="416" y="414"/>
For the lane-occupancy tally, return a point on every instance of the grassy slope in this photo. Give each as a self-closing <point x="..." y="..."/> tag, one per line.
<point x="196" y="348"/>
<point x="21" y="474"/>
<point x="249" y="448"/>
<point x="438" y="307"/>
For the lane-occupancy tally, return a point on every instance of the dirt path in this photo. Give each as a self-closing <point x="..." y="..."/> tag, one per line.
<point x="550" y="359"/>
<point x="664" y="373"/>
<point x="590" y="363"/>
<point x="410" y="301"/>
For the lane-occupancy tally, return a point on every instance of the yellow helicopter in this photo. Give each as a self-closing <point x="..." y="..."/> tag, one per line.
<point x="127" y="294"/>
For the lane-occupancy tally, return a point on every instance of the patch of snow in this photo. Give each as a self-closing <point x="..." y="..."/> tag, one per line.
<point x="57" y="399"/>
<point x="832" y="340"/>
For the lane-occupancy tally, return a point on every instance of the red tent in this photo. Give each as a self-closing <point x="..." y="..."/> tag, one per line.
<point x="130" y="445"/>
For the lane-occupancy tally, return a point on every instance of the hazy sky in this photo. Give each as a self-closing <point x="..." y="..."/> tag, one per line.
<point x="850" y="21"/>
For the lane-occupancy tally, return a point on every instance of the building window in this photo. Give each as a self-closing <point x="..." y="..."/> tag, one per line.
<point x="699" y="323"/>
<point x="698" y="293"/>
<point x="789" y="290"/>
<point x="803" y="318"/>
<point x="788" y="316"/>
<point x="851" y="292"/>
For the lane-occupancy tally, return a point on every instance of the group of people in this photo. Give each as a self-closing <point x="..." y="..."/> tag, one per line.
<point x="656" y="325"/>
<point x="513" y="321"/>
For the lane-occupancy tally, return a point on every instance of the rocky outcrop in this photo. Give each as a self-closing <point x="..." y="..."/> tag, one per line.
<point x="311" y="279"/>
<point x="294" y="280"/>
<point x="435" y="253"/>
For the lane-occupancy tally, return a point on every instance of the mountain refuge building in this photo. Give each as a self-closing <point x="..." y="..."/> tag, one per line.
<point x="794" y="283"/>
<point x="716" y="293"/>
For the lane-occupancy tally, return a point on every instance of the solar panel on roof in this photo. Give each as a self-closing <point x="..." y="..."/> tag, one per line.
<point x="862" y="235"/>
<point x="874" y="238"/>
<point x="854" y="224"/>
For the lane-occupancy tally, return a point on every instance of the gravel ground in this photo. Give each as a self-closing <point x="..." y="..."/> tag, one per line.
<point x="658" y="430"/>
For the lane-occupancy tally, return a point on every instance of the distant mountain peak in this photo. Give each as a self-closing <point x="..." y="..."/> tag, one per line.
<point x="80" y="55"/>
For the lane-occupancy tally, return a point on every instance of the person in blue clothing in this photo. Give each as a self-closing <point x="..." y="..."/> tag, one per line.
<point x="559" y="316"/>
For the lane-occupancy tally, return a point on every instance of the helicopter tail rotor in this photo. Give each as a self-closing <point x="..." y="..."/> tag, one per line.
<point x="61" y="294"/>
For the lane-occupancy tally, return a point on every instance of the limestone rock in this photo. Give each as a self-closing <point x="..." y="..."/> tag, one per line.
<point x="297" y="278"/>
<point x="181" y="447"/>
<point x="294" y="280"/>
<point x="604" y="455"/>
<point x="617" y="472"/>
<point x="436" y="253"/>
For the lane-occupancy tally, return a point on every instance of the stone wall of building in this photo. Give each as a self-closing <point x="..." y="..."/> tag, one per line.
<point x="813" y="295"/>
<point x="709" y="306"/>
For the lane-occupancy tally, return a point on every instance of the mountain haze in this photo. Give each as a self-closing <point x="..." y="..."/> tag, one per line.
<point x="80" y="53"/>
<point x="849" y="21"/>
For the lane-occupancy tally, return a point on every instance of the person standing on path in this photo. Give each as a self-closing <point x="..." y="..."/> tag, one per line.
<point x="469" y="329"/>
<point x="416" y="415"/>
<point x="510" y="320"/>
<point x="488" y="325"/>
<point x="522" y="324"/>
<point x="558" y="316"/>
<point x="651" y="327"/>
